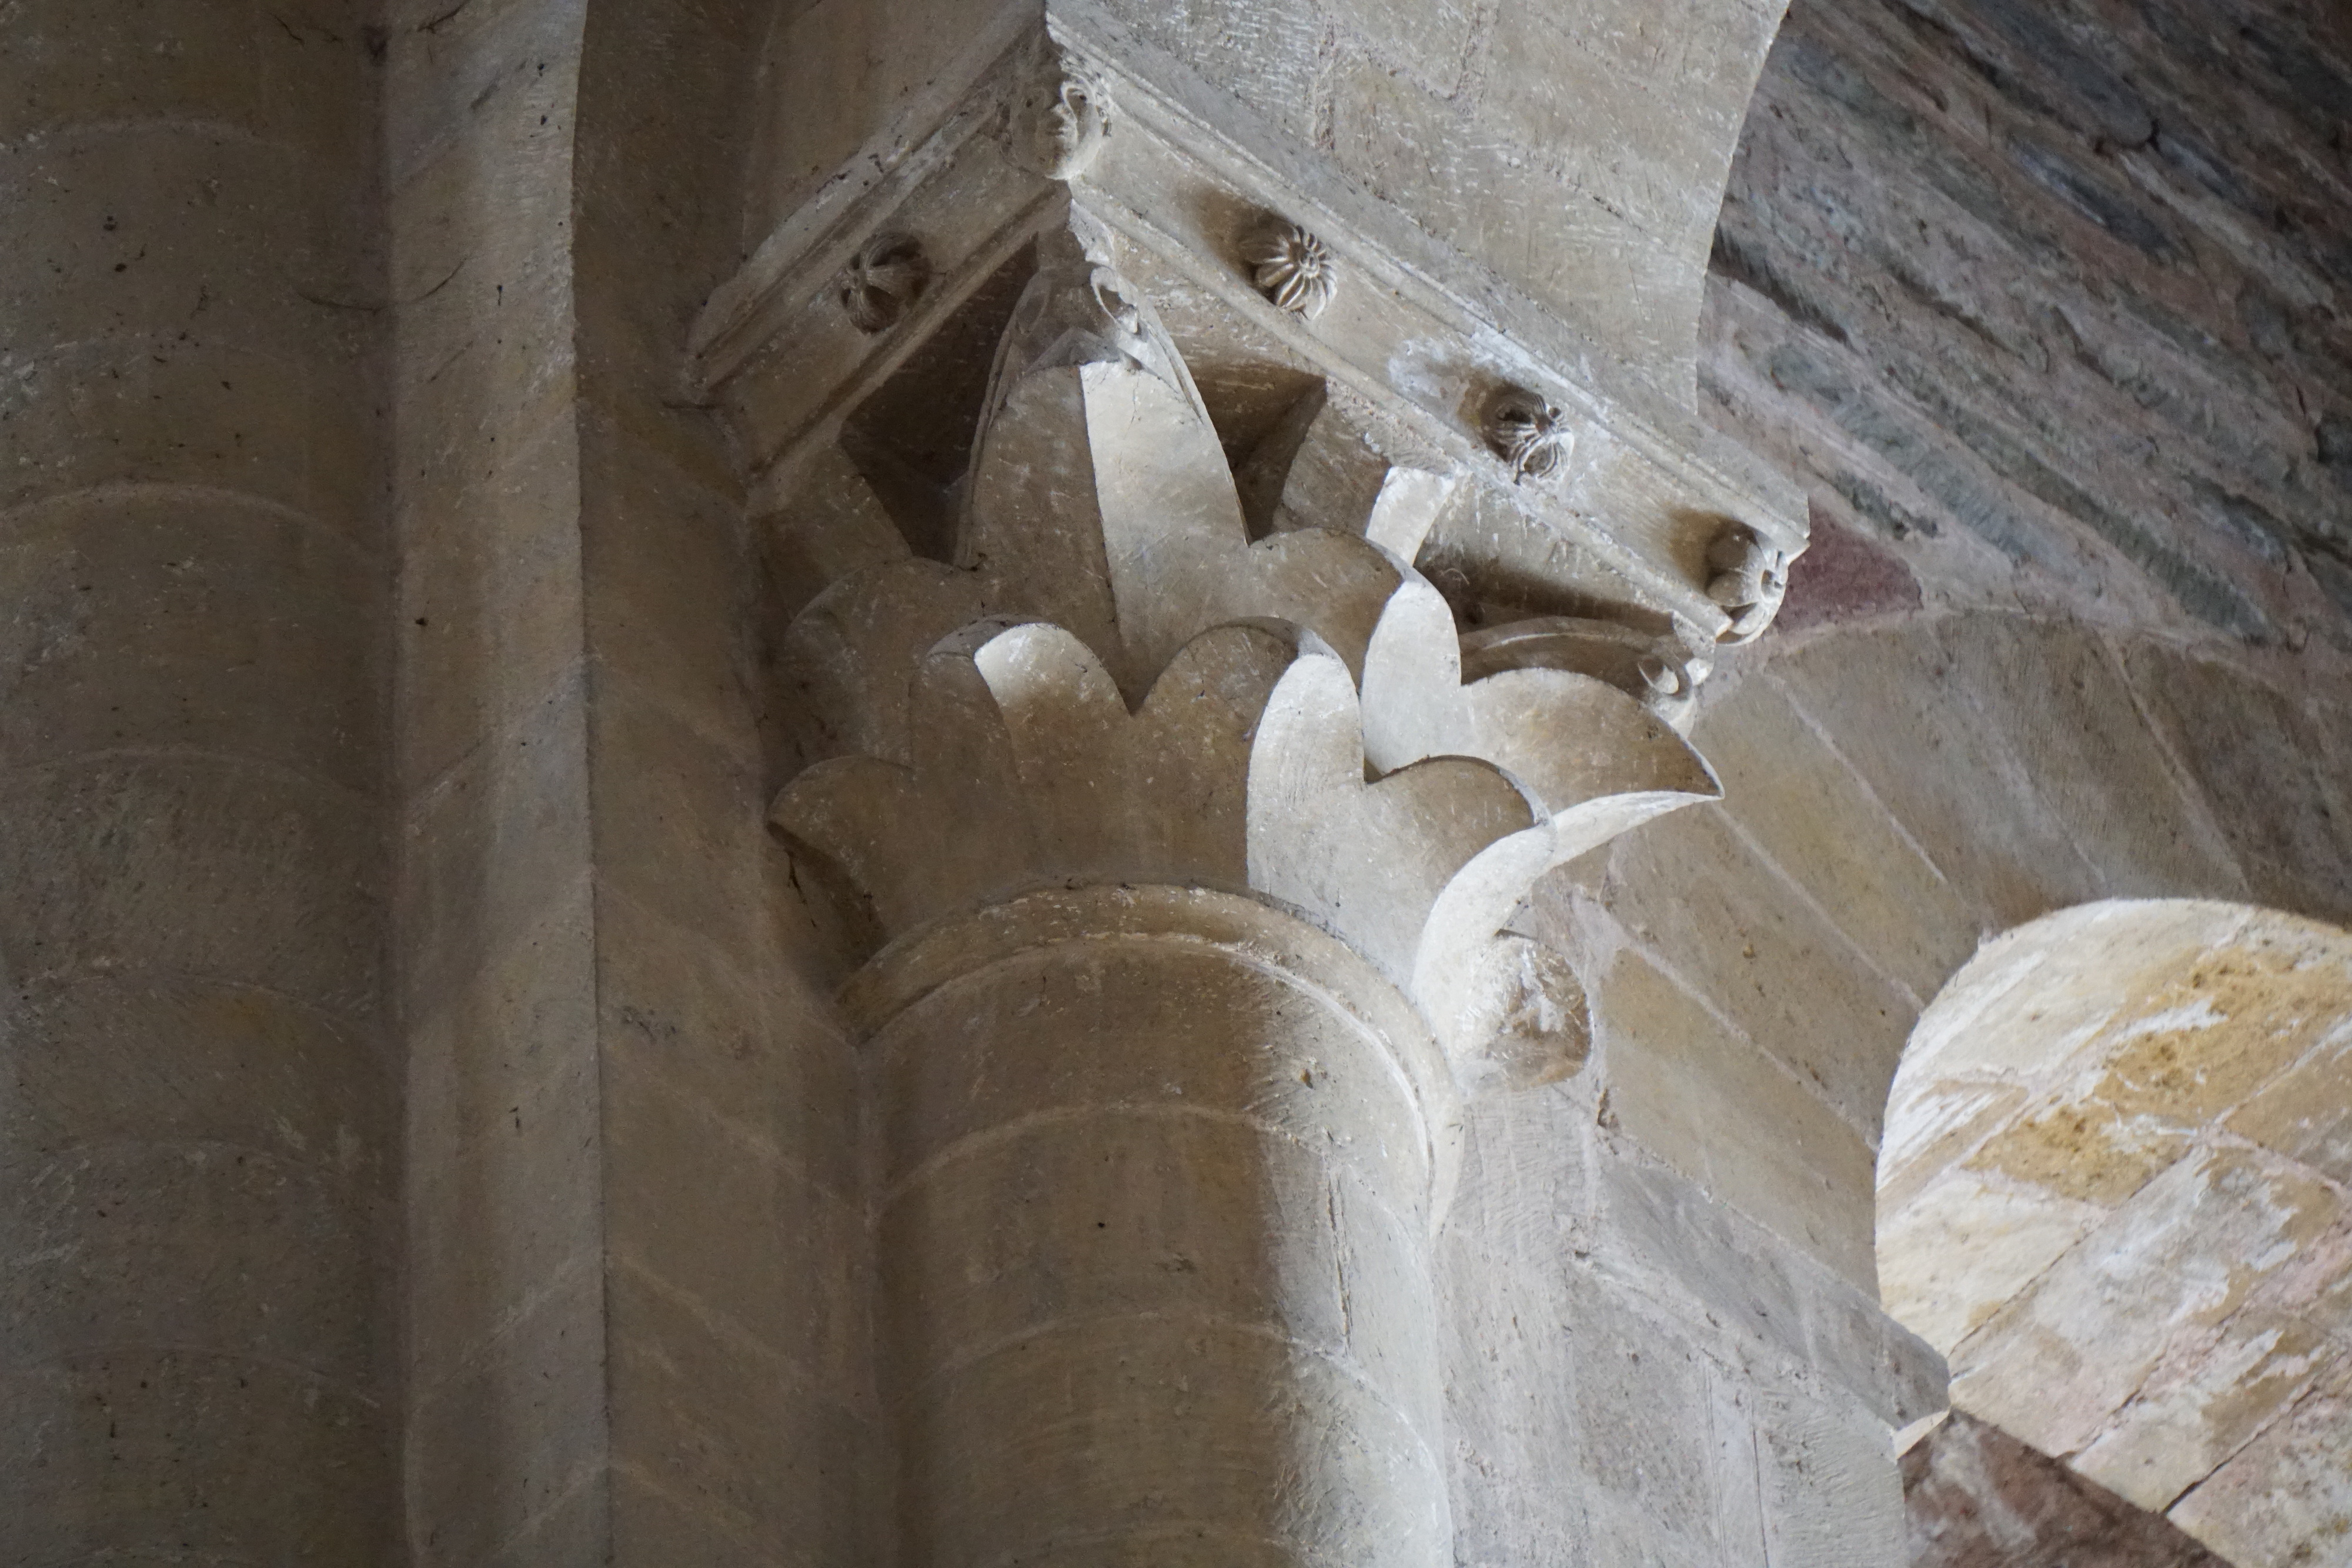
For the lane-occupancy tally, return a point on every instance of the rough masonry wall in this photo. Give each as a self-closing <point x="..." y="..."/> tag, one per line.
<point x="1942" y="739"/>
<point x="2055" y="301"/>
<point x="199" y="1133"/>
<point x="2044" y="306"/>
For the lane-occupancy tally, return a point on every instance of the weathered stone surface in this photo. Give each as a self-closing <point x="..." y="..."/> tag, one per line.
<point x="1703" y="900"/>
<point x="2283" y="1498"/>
<point x="2070" y="1208"/>
<point x="1103" y="1238"/>
<point x="1723" y="1113"/>
<point x="288" y="77"/>
<point x="129" y="1449"/>
<point x="541" y="1391"/>
<point x="162" y="619"/>
<point x="200" y="1111"/>
<point x="500" y="1097"/>
<point x="2240" y="745"/>
<point x="1943" y="762"/>
<point x="1813" y="819"/>
<point x="1966" y="230"/>
<point x="507" y="1328"/>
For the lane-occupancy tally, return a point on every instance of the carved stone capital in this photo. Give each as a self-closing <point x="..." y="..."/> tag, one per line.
<point x="1114" y="684"/>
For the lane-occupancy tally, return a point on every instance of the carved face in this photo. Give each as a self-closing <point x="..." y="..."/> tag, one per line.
<point x="1061" y="126"/>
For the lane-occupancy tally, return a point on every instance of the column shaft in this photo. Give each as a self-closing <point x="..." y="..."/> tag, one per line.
<point x="198" y="1120"/>
<point x="1153" y="1240"/>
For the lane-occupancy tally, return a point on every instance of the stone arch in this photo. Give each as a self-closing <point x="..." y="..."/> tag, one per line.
<point x="1896" y="791"/>
<point x="2113" y="1194"/>
<point x="1895" y="794"/>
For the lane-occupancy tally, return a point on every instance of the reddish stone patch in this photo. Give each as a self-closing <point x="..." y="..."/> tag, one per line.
<point x="1845" y="577"/>
<point x="1978" y="1498"/>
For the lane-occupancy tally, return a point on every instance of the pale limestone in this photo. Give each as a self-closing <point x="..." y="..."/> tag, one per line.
<point x="1728" y="925"/>
<point x="1810" y="816"/>
<point x="1932" y="763"/>
<point x="2069" y="1211"/>
<point x="1688" y="1089"/>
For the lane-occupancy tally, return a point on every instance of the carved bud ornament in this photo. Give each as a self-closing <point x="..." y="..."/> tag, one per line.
<point x="1751" y="579"/>
<point x="1525" y="431"/>
<point x="883" y="280"/>
<point x="1293" y="269"/>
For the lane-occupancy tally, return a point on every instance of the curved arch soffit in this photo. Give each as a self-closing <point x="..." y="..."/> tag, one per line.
<point x="2113" y="1191"/>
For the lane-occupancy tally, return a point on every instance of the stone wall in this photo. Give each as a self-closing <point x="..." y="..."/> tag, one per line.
<point x="1947" y="735"/>
<point x="426" y="613"/>
<point x="2055" y="303"/>
<point x="2045" y="307"/>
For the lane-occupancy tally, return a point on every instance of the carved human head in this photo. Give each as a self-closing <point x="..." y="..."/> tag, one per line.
<point x="1060" y="118"/>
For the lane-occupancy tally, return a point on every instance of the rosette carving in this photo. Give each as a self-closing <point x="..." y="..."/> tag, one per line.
<point x="1292" y="268"/>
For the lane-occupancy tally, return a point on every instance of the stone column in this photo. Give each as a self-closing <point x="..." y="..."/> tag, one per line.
<point x="1153" y="1196"/>
<point x="198" y="1119"/>
<point x="1191" y="857"/>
